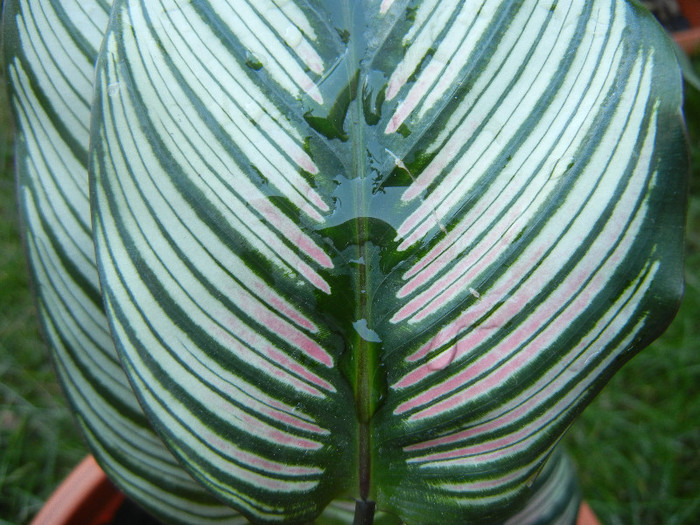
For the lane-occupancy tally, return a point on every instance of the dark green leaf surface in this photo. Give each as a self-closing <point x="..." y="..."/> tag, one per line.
<point x="383" y="250"/>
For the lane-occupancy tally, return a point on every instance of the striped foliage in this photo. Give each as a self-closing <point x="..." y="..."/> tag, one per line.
<point x="384" y="249"/>
<point x="50" y="49"/>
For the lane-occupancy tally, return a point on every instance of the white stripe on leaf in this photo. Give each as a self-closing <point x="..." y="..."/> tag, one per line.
<point x="89" y="20"/>
<point x="57" y="68"/>
<point x="591" y="195"/>
<point x="269" y="48"/>
<point x="231" y="459"/>
<point x="206" y="162"/>
<point x="219" y="90"/>
<point x="181" y="285"/>
<point x="572" y="375"/>
<point x="464" y="31"/>
<point x="506" y="207"/>
<point x="504" y="121"/>
<point x="58" y="198"/>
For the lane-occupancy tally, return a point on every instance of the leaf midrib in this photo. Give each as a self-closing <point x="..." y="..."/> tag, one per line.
<point x="363" y="386"/>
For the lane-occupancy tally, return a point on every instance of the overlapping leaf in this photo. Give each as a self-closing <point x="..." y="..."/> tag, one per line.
<point x="50" y="48"/>
<point x="384" y="250"/>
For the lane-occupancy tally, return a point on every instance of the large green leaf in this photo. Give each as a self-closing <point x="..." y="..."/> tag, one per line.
<point x="50" y="48"/>
<point x="382" y="250"/>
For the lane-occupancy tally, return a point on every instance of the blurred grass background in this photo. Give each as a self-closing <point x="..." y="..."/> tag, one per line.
<point x="637" y="445"/>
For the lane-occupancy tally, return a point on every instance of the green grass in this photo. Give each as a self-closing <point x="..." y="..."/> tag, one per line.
<point x="637" y="445"/>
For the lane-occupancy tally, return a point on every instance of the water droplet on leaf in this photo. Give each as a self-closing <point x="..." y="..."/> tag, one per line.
<point x="113" y="89"/>
<point x="443" y="360"/>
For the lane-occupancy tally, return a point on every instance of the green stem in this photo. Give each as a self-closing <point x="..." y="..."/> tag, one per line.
<point x="363" y="395"/>
<point x="364" y="511"/>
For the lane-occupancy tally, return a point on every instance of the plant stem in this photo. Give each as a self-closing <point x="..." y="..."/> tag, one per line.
<point x="364" y="512"/>
<point x="362" y="400"/>
<point x="364" y="458"/>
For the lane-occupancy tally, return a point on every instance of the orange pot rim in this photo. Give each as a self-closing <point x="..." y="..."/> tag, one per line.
<point x="85" y="497"/>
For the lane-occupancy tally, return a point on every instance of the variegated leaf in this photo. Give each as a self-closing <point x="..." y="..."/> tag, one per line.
<point x="383" y="249"/>
<point x="50" y="49"/>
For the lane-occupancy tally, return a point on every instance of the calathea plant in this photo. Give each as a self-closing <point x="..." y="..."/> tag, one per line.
<point x="348" y="253"/>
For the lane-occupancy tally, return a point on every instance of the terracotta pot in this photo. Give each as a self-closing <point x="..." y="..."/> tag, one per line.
<point x="586" y="516"/>
<point x="689" y="39"/>
<point x="691" y="11"/>
<point x="87" y="497"/>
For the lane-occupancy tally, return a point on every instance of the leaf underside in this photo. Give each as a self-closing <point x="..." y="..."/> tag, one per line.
<point x="383" y="250"/>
